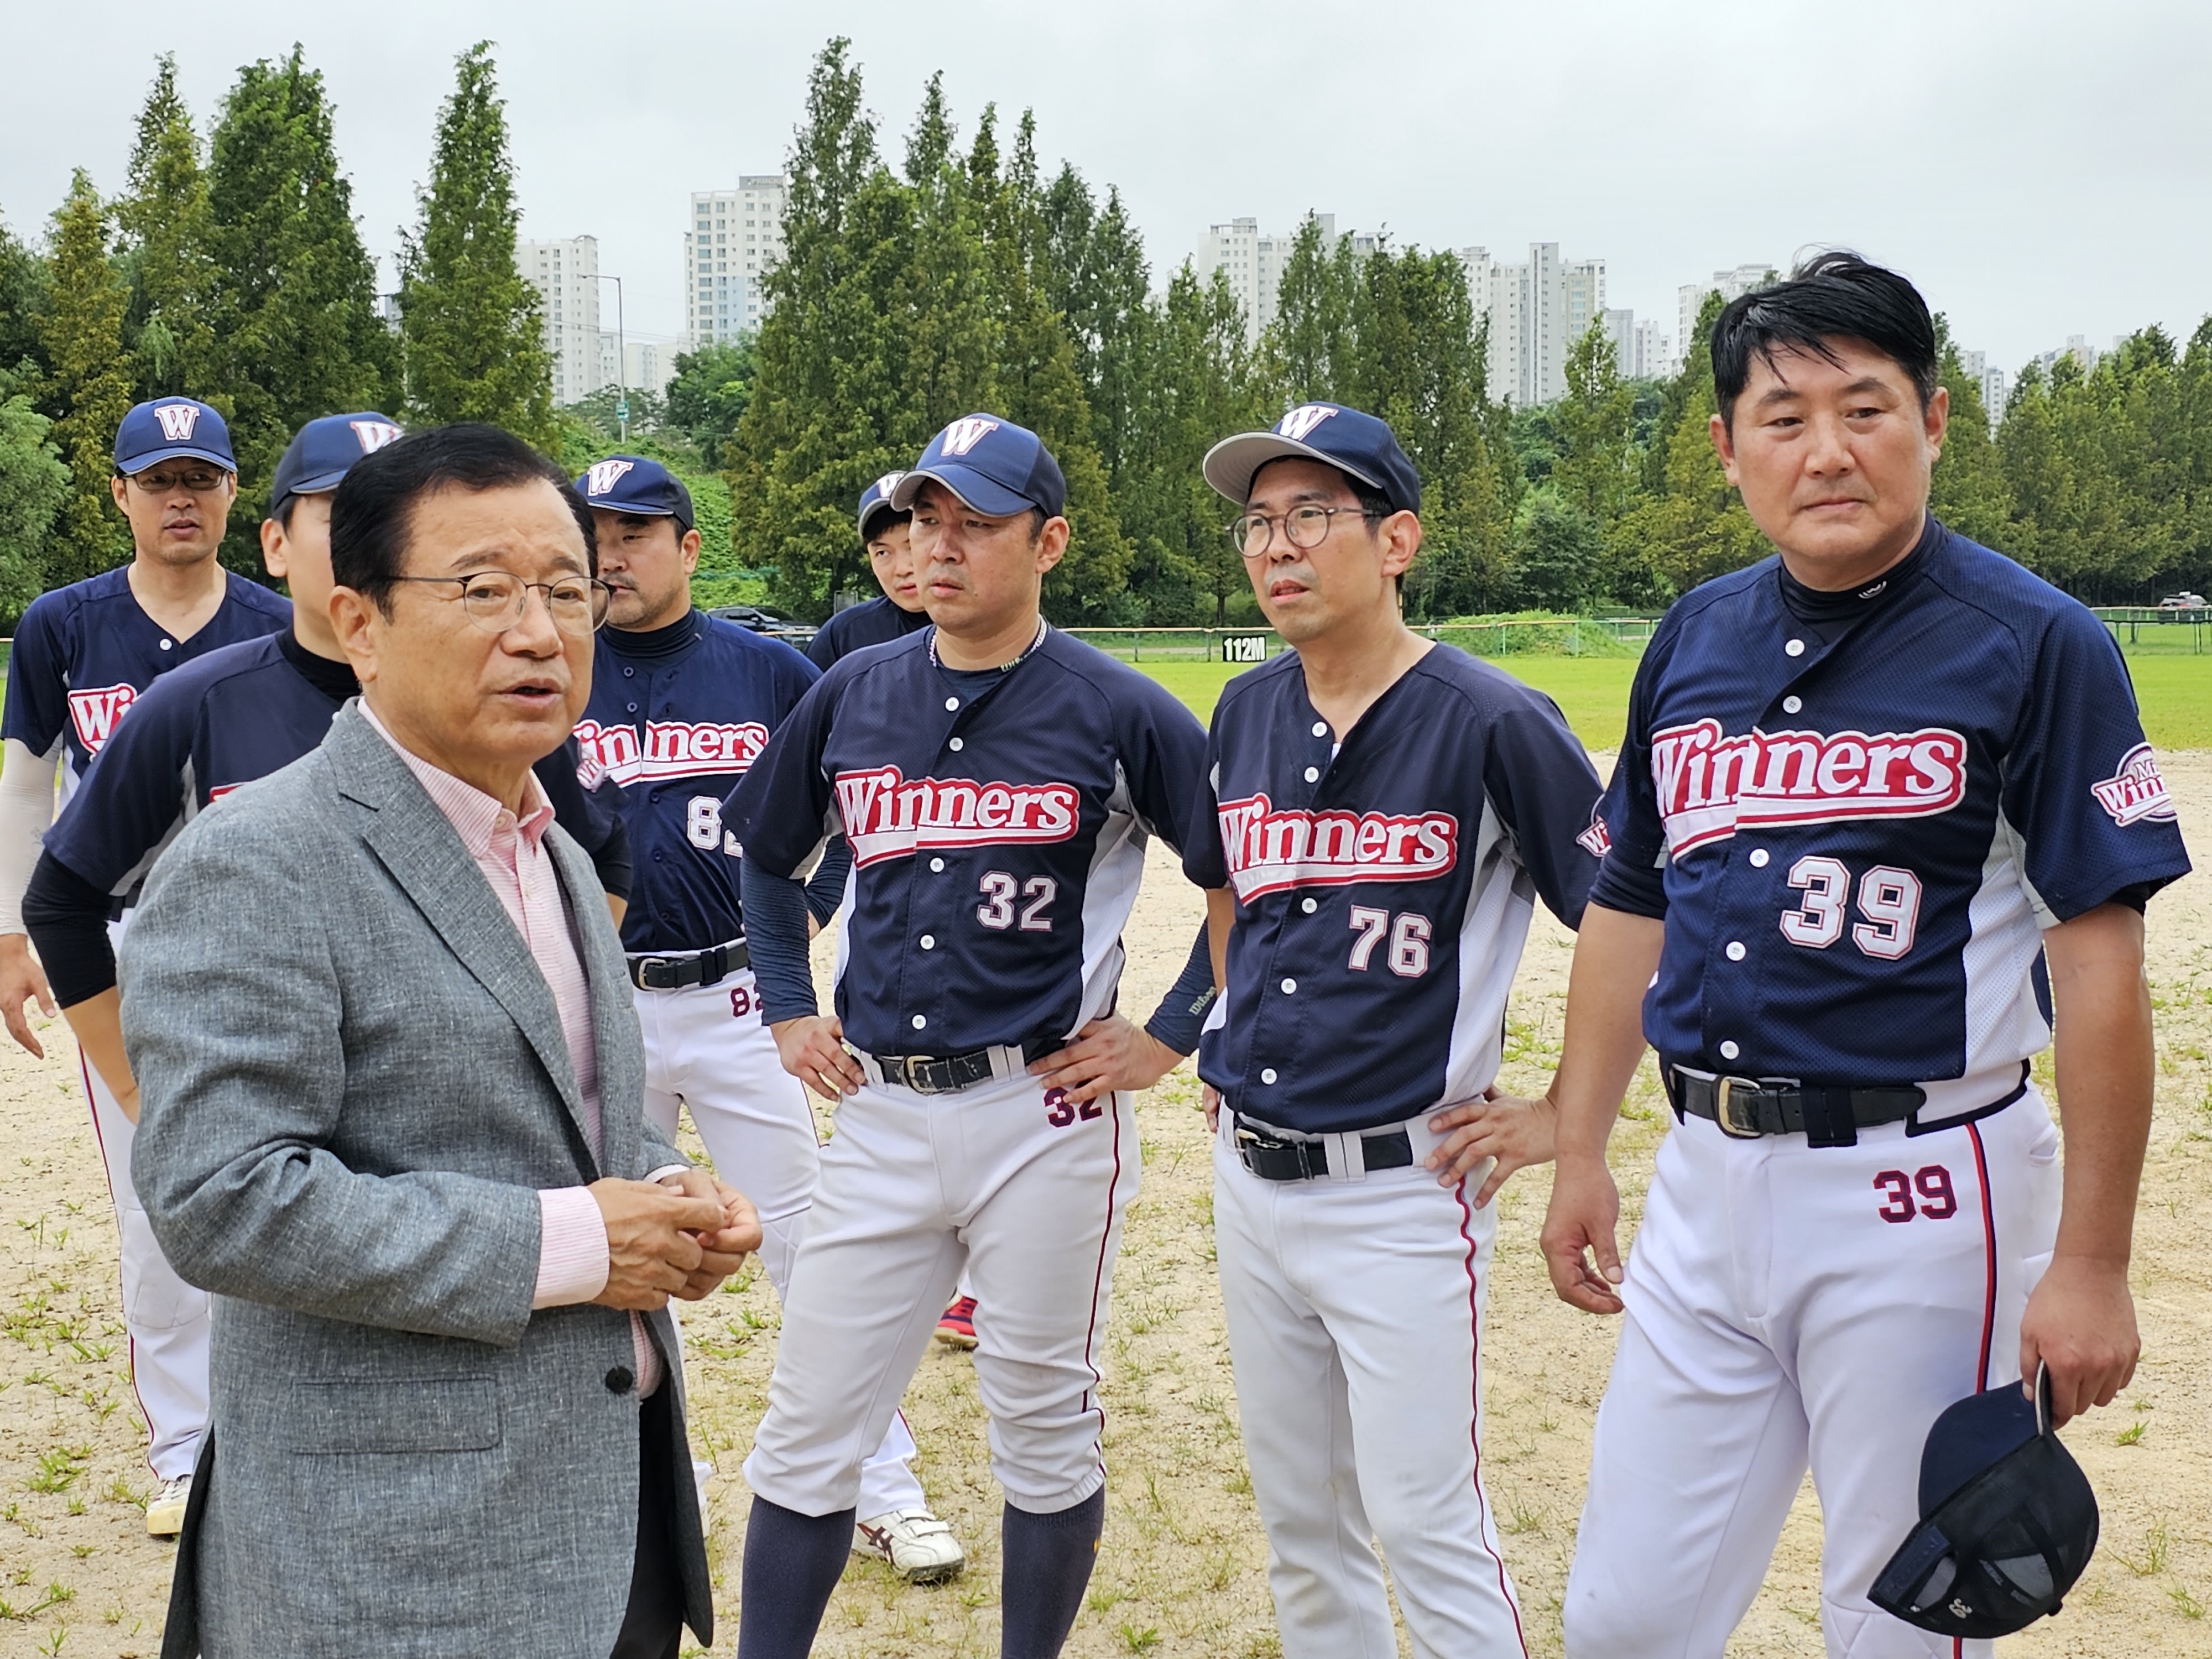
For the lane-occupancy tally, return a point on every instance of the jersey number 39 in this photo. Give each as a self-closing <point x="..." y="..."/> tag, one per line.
<point x="1888" y="900"/>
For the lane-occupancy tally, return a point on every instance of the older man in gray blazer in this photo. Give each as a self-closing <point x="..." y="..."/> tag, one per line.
<point x="391" y="1084"/>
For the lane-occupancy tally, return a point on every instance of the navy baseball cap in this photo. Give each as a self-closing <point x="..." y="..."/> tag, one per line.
<point x="321" y="451"/>
<point x="631" y="484"/>
<point x="171" y="429"/>
<point x="1355" y="444"/>
<point x="996" y="467"/>
<point x="2007" y="1521"/>
<point x="875" y="501"/>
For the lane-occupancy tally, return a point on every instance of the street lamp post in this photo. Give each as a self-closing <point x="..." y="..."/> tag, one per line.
<point x="621" y="362"/>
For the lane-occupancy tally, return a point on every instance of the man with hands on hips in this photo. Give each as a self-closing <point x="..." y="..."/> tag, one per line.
<point x="391" y="1088"/>
<point x="996" y="783"/>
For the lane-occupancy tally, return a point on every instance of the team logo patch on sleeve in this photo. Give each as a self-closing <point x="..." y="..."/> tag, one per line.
<point x="1267" y="850"/>
<point x="1708" y="785"/>
<point x="889" y="816"/>
<point x="2136" y="793"/>
<point x="95" y="711"/>
<point x="1597" y="840"/>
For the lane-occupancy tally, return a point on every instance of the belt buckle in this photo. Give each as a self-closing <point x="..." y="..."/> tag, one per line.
<point x="647" y="967"/>
<point x="1724" y="1089"/>
<point x="912" y="1072"/>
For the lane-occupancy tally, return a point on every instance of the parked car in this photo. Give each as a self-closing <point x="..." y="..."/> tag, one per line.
<point x="795" y="634"/>
<point x="2182" y="602"/>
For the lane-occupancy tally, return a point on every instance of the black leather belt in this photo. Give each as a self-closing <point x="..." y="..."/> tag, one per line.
<point x="1272" y="1158"/>
<point x="1746" y="1108"/>
<point x="699" y="968"/>
<point x="947" y="1074"/>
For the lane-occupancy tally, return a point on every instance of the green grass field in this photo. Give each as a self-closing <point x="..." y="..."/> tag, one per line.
<point x="2175" y="691"/>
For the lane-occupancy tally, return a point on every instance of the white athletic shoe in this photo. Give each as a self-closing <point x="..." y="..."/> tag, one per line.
<point x="920" y="1547"/>
<point x="164" y="1510"/>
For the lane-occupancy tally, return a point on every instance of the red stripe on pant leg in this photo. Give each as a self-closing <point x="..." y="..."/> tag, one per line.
<point x="1474" y="1421"/>
<point x="1099" y="1276"/>
<point x="129" y="1343"/>
<point x="1989" y="1256"/>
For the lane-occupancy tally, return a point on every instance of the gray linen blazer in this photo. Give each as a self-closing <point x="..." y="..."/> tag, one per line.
<point x="354" y="1082"/>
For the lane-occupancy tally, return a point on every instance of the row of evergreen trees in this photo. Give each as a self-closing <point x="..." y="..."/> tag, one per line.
<point x="232" y="271"/>
<point x="960" y="278"/>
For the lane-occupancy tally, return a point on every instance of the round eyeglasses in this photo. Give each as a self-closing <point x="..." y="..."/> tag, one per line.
<point x="1304" y="528"/>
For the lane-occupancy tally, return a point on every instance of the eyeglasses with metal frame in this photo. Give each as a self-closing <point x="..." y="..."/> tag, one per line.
<point x="495" y="600"/>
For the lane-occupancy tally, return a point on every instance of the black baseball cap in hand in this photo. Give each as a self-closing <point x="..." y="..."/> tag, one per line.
<point x="2007" y="1521"/>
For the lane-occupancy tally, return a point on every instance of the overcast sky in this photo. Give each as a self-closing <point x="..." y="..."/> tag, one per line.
<point x="2041" y="168"/>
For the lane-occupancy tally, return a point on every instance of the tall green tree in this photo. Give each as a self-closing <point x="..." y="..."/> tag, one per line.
<point x="297" y="335"/>
<point x="1416" y="360"/>
<point x="33" y="484"/>
<point x="1036" y="381"/>
<point x="829" y="409"/>
<point x="163" y="217"/>
<point x="89" y="383"/>
<point x="707" y="396"/>
<point x="472" y="324"/>
<point x="1690" y="525"/>
<point x="23" y="276"/>
<point x="1968" y="491"/>
<point x="1307" y="343"/>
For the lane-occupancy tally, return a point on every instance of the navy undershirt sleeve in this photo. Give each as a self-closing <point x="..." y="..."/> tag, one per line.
<point x="66" y="917"/>
<point x="1639" y="890"/>
<point x="775" y="934"/>
<point x="825" y="891"/>
<point x="1181" y="1013"/>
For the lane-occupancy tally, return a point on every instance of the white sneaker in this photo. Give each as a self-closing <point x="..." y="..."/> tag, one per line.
<point x="921" y="1548"/>
<point x="164" y="1510"/>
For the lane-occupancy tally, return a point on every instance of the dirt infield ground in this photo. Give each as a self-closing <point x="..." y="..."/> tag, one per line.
<point x="1183" y="1568"/>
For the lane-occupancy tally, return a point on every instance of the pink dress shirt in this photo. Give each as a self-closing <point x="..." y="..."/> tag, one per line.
<point x="510" y="851"/>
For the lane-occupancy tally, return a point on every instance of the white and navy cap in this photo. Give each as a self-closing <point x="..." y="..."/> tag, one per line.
<point x="322" y="451"/>
<point x="171" y="429"/>
<point x="1356" y="445"/>
<point x="631" y="483"/>
<point x="876" y="502"/>
<point x="996" y="467"/>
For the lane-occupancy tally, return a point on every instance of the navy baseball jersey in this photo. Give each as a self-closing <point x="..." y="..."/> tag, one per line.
<point x="876" y="622"/>
<point x="1384" y="890"/>
<point x="677" y="717"/>
<point x="84" y="654"/>
<point x="998" y="823"/>
<point x="226" y="718"/>
<point x="1857" y="814"/>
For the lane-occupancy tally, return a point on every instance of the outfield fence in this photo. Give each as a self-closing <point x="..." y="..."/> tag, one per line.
<point x="1557" y="636"/>
<point x="2163" y="633"/>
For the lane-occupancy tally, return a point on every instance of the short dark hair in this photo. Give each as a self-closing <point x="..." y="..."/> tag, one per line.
<point x="1832" y="296"/>
<point x="373" y="512"/>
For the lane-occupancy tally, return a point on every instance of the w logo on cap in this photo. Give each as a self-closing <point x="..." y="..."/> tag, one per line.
<point x="603" y="476"/>
<point x="373" y="435"/>
<point x="965" y="434"/>
<point x="1304" y="419"/>
<point x="888" y="483"/>
<point x="177" y="421"/>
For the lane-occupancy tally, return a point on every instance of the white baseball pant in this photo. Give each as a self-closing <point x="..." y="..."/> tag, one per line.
<point x="164" y="1319"/>
<point x="1790" y="1305"/>
<point x="1355" y="1307"/>
<point x="1027" y="1191"/>
<point x="706" y="1048"/>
